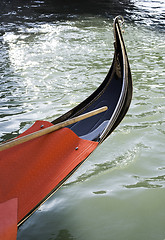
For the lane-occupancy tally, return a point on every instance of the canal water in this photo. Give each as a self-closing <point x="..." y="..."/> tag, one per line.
<point x="53" y="54"/>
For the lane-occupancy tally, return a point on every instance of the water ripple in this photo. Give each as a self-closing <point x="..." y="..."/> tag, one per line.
<point x="153" y="182"/>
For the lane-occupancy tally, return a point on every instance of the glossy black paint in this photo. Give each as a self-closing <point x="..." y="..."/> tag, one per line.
<point x="115" y="92"/>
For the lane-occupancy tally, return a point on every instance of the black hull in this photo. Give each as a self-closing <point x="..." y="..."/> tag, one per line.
<point x="115" y="92"/>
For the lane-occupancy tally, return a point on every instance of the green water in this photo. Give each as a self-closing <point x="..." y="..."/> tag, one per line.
<point x="119" y="192"/>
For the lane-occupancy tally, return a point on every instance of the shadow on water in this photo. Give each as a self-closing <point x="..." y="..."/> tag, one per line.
<point x="153" y="182"/>
<point x="17" y="12"/>
<point x="63" y="235"/>
<point x="102" y="7"/>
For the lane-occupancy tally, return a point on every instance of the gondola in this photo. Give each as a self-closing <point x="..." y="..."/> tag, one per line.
<point x="32" y="171"/>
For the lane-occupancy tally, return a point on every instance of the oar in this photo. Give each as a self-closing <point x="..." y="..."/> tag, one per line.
<point x="45" y="131"/>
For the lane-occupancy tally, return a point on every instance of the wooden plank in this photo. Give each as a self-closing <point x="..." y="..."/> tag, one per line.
<point x="45" y="131"/>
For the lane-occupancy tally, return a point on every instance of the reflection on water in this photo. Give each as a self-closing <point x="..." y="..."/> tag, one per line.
<point x="120" y="160"/>
<point x="52" y="56"/>
<point x="64" y="235"/>
<point x="148" y="183"/>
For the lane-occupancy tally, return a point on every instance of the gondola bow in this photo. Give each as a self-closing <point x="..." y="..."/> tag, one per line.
<point x="31" y="172"/>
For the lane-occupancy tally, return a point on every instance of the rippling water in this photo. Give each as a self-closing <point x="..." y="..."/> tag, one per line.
<point x="52" y="61"/>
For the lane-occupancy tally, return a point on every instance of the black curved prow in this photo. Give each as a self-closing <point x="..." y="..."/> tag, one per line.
<point x="114" y="92"/>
